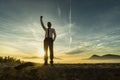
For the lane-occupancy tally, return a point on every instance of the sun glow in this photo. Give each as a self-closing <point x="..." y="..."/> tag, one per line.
<point x="41" y="52"/>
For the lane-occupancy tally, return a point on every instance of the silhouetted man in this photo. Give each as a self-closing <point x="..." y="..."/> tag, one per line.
<point x="50" y="36"/>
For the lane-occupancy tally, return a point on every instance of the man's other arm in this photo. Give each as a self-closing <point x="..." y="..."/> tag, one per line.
<point x="42" y="24"/>
<point x="54" y="35"/>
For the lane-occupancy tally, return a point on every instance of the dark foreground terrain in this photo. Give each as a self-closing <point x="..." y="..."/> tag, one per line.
<point x="31" y="71"/>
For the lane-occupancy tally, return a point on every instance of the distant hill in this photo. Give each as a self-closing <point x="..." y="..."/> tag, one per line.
<point x="107" y="56"/>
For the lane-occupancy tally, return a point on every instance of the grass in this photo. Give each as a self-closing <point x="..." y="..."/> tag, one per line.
<point x="9" y="59"/>
<point x="33" y="71"/>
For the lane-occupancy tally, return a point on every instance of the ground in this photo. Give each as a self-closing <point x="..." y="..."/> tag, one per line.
<point x="33" y="71"/>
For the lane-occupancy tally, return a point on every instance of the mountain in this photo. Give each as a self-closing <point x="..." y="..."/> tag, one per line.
<point x="107" y="56"/>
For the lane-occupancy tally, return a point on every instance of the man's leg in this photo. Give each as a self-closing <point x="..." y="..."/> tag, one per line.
<point x="45" y="52"/>
<point x="51" y="51"/>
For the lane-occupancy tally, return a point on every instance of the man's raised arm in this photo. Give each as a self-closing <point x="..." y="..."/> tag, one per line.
<point x="43" y="26"/>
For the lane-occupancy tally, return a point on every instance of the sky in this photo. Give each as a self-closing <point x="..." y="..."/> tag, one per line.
<point x="83" y="27"/>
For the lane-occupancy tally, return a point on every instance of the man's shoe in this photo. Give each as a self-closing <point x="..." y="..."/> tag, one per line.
<point x="45" y="63"/>
<point x="51" y="62"/>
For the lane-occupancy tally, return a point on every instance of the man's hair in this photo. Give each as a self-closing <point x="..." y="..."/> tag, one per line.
<point x="49" y="24"/>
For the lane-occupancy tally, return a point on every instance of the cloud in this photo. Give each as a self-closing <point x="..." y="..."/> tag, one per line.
<point x="115" y="33"/>
<point x="59" y="11"/>
<point x="75" y="51"/>
<point x="33" y="57"/>
<point x="36" y="57"/>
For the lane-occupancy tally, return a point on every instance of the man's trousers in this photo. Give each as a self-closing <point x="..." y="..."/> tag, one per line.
<point x="48" y="43"/>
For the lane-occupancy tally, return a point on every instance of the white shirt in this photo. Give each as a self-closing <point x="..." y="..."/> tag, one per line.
<point x="51" y="32"/>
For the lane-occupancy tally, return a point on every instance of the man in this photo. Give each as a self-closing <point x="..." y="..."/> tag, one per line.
<point x="50" y="36"/>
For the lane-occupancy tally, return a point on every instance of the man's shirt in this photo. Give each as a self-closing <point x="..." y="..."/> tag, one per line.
<point x="51" y="33"/>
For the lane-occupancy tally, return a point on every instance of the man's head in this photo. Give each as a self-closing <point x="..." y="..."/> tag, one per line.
<point x="49" y="24"/>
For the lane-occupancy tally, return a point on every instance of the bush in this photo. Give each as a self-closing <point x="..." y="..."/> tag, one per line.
<point x="9" y="59"/>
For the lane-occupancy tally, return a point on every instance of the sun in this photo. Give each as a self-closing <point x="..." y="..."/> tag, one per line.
<point x="41" y="52"/>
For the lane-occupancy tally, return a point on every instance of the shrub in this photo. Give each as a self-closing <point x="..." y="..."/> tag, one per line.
<point x="9" y="59"/>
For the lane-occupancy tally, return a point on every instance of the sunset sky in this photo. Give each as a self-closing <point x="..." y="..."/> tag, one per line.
<point x="84" y="27"/>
